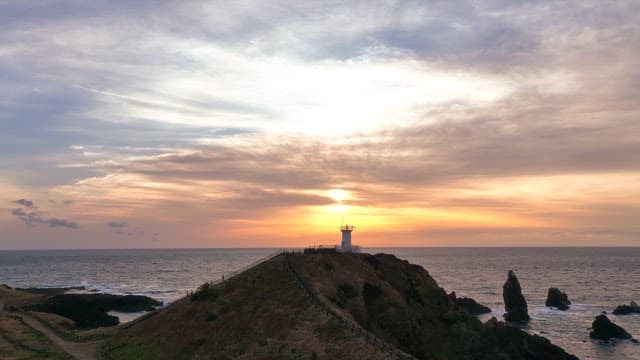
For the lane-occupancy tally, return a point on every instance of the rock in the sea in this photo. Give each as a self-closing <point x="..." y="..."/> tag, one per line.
<point x="558" y="299"/>
<point x="514" y="302"/>
<point x="632" y="308"/>
<point x="471" y="305"/>
<point x="604" y="329"/>
<point x="503" y="341"/>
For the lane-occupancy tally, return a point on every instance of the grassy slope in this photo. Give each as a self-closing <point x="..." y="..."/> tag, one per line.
<point x="258" y="314"/>
<point x="395" y="300"/>
<point x="12" y="297"/>
<point x="17" y="339"/>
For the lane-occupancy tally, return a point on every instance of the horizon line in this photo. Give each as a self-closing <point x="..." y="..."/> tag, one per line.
<point x="362" y="247"/>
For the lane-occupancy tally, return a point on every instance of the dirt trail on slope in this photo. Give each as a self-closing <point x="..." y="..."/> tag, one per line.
<point x="79" y="350"/>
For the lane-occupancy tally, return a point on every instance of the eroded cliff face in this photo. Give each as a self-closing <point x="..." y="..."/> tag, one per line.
<point x="403" y="304"/>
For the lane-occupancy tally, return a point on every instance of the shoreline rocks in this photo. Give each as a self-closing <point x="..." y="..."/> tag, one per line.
<point x="557" y="299"/>
<point x="604" y="329"/>
<point x="515" y="344"/>
<point x="90" y="310"/>
<point x="514" y="302"/>
<point x="625" y="309"/>
<point x="470" y="304"/>
<point x="51" y="290"/>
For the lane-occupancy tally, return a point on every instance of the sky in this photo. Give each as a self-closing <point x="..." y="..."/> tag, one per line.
<point x="270" y="123"/>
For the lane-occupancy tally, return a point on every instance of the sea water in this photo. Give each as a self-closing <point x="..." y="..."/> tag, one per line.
<point x="595" y="279"/>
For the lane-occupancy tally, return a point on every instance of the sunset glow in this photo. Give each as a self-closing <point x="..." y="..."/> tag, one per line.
<point x="270" y="124"/>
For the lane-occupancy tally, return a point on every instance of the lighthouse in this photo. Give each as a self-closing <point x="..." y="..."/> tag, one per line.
<point x="346" y="238"/>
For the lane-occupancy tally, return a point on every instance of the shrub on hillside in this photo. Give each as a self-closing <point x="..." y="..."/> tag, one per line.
<point x="205" y="291"/>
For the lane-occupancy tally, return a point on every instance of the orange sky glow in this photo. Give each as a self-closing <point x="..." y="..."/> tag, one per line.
<point x="260" y="125"/>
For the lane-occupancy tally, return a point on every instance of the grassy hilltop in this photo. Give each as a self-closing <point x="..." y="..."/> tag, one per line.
<point x="260" y="313"/>
<point x="263" y="313"/>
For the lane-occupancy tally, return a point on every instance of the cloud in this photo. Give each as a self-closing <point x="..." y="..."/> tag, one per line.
<point x="53" y="222"/>
<point x="427" y="104"/>
<point x="25" y="203"/>
<point x="118" y="227"/>
<point x="117" y="224"/>
<point x="509" y="145"/>
<point x="174" y="95"/>
<point x="32" y="217"/>
<point x="19" y="213"/>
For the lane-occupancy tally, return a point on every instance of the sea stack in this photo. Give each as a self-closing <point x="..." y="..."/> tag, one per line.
<point x="558" y="299"/>
<point x="514" y="302"/>
<point x="604" y="329"/>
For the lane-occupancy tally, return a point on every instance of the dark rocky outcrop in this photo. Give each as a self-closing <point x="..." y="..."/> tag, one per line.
<point x="514" y="302"/>
<point x="604" y="329"/>
<point x="624" y="309"/>
<point x="90" y="310"/>
<point x="51" y="290"/>
<point x="558" y="299"/>
<point x="502" y="341"/>
<point x="471" y="305"/>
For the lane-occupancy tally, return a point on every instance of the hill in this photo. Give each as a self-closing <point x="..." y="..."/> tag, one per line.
<point x="261" y="313"/>
<point x="333" y="306"/>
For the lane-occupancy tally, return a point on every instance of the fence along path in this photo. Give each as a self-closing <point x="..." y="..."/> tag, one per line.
<point x="350" y="326"/>
<point x="232" y="274"/>
<point x="224" y="278"/>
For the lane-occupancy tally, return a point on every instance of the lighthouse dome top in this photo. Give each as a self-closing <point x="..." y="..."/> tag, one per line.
<point x="347" y="227"/>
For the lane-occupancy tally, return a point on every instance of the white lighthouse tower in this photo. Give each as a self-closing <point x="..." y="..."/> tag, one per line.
<point x="346" y="238"/>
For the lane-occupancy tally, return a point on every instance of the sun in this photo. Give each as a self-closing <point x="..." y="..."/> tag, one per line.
<point x="338" y="195"/>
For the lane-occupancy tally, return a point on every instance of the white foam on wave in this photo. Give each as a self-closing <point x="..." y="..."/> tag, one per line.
<point x="125" y="317"/>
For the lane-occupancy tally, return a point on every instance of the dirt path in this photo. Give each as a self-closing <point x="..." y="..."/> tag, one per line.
<point x="79" y="350"/>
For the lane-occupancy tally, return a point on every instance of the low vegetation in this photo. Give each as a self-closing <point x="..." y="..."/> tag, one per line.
<point x="260" y="313"/>
<point x="19" y="341"/>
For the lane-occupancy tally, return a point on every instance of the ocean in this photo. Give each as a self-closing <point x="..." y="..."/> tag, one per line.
<point x="595" y="279"/>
